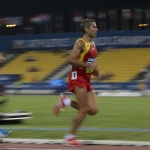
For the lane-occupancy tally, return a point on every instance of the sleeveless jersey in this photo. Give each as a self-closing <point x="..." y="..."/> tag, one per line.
<point x="88" y="56"/>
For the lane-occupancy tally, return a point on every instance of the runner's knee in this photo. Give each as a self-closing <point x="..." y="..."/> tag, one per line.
<point x="93" y="111"/>
<point x="85" y="109"/>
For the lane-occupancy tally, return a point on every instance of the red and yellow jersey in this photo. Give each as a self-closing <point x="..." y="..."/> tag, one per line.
<point x="88" y="56"/>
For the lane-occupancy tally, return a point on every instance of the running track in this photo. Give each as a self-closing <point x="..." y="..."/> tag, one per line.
<point x="31" y="144"/>
<point x="8" y="146"/>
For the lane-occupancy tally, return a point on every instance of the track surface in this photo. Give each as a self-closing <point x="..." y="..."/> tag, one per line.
<point x="21" y="146"/>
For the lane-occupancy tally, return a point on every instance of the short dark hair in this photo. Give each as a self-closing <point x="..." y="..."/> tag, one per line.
<point x="86" y="23"/>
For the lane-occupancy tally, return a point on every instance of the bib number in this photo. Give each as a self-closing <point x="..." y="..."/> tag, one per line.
<point x="74" y="75"/>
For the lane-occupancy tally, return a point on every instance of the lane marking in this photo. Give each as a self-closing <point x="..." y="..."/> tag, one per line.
<point x="81" y="129"/>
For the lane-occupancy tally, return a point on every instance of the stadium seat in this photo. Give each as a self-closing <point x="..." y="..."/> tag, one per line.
<point x="45" y="62"/>
<point x="124" y="64"/>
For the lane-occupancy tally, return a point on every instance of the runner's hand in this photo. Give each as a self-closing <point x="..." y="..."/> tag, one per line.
<point x="96" y="73"/>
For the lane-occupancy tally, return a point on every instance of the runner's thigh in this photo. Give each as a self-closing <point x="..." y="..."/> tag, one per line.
<point x="93" y="103"/>
<point x="81" y="96"/>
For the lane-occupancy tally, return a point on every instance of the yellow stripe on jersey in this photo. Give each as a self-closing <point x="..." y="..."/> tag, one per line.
<point x="87" y="47"/>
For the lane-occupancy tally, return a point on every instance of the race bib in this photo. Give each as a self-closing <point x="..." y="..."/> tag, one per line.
<point x="74" y="75"/>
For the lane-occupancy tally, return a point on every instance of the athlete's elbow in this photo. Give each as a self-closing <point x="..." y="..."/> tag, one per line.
<point x="69" y="61"/>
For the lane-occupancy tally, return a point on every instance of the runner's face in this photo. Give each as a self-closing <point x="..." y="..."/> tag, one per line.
<point x="92" y="31"/>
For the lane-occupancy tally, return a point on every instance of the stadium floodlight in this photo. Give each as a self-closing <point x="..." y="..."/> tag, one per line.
<point x="10" y="25"/>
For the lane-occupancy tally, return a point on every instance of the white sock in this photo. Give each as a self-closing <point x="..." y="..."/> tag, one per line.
<point x="67" y="101"/>
<point x="69" y="136"/>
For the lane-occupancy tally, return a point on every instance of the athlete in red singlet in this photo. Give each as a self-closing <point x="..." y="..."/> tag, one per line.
<point x="80" y="76"/>
<point x="83" y="61"/>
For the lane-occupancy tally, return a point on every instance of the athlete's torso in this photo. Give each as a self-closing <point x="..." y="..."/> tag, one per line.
<point x="88" y="56"/>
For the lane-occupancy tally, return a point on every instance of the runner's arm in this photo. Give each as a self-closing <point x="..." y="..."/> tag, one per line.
<point x="73" y="57"/>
